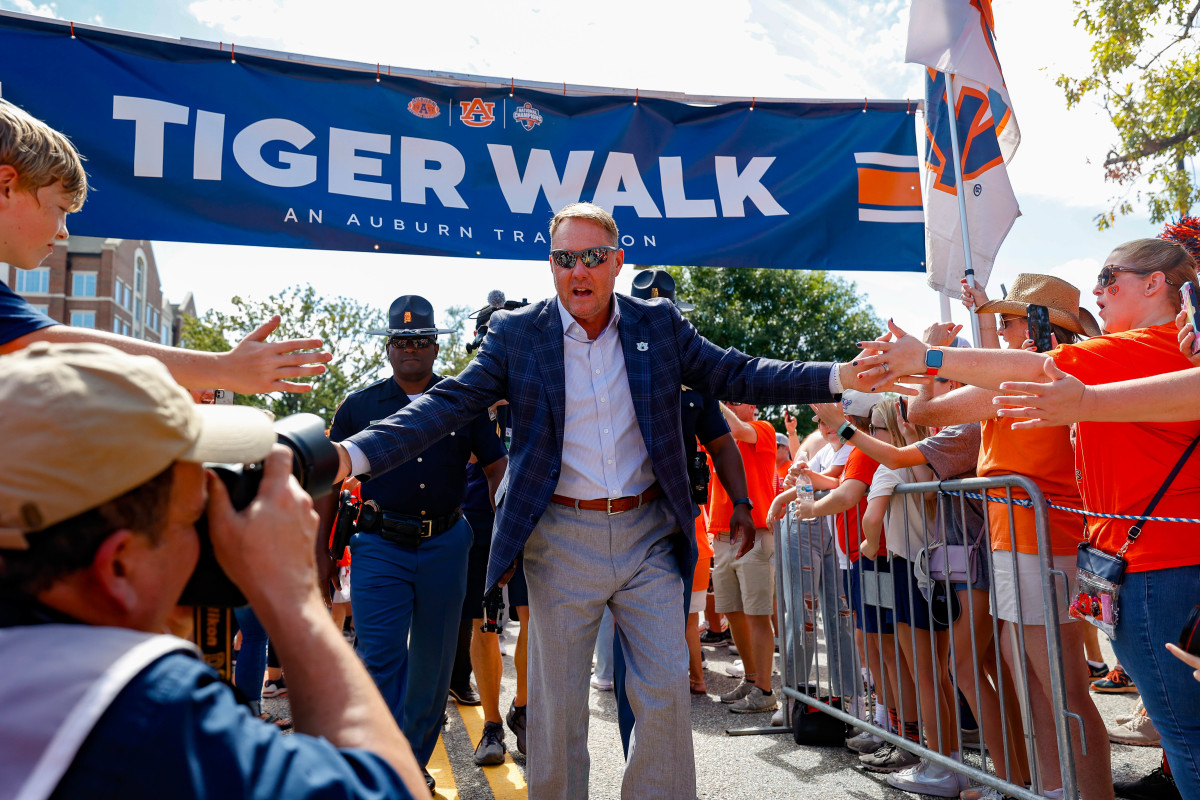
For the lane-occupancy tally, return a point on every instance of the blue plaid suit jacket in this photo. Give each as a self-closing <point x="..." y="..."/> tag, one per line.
<point x="522" y="361"/>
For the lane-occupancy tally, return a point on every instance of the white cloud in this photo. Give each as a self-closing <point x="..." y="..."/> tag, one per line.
<point x="39" y="9"/>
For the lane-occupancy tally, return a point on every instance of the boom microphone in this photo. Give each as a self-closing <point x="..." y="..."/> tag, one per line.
<point x="495" y="299"/>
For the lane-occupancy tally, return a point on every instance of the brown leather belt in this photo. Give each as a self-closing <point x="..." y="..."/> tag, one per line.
<point x="617" y="505"/>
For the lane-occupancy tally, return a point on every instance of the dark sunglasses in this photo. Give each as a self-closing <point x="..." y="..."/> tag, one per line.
<point x="413" y="343"/>
<point x="591" y="257"/>
<point x="1108" y="275"/>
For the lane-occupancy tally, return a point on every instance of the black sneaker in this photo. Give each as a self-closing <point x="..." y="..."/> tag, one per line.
<point x="1158" y="785"/>
<point x="516" y="724"/>
<point x="716" y="638"/>
<point x="429" y="781"/>
<point x="490" y="750"/>
<point x="1097" y="673"/>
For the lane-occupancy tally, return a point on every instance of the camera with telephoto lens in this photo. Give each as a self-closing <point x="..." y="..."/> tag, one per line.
<point x="483" y="316"/>
<point x="315" y="466"/>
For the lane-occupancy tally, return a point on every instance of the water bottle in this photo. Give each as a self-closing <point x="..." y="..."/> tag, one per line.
<point x="804" y="498"/>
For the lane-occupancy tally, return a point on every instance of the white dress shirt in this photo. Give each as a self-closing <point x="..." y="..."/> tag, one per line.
<point x="604" y="455"/>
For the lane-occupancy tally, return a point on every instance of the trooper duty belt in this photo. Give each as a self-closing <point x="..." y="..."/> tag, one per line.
<point x="410" y="531"/>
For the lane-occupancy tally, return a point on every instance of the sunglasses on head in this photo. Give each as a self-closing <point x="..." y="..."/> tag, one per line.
<point x="592" y="257"/>
<point x="1108" y="275"/>
<point x="412" y="342"/>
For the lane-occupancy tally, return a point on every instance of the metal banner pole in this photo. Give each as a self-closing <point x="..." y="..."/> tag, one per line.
<point x="962" y="197"/>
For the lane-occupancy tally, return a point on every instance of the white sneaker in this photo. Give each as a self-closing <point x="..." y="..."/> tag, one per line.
<point x="1139" y="732"/>
<point x="863" y="742"/>
<point x="736" y="670"/>
<point x="1121" y="719"/>
<point x="602" y="684"/>
<point x="925" y="778"/>
<point x="755" y="702"/>
<point x="777" y="718"/>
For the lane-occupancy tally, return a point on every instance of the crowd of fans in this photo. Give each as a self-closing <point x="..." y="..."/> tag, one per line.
<point x="932" y="604"/>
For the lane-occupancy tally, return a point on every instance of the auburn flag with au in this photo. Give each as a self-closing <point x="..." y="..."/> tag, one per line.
<point x="955" y="37"/>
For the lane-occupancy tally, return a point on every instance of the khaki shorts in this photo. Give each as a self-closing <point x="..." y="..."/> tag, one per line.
<point x="746" y="584"/>
<point x="1033" y="609"/>
<point x="698" y="600"/>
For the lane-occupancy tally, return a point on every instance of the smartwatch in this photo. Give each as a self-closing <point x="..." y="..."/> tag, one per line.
<point x="744" y="501"/>
<point x="933" y="360"/>
<point x="846" y="431"/>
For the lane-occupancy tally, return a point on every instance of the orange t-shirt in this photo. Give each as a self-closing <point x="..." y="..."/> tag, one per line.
<point x="781" y="472"/>
<point x="1046" y="456"/>
<point x="705" y="552"/>
<point x="859" y="467"/>
<point x="1121" y="465"/>
<point x="759" y="460"/>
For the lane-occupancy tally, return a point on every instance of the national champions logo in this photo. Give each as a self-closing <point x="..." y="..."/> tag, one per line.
<point x="527" y="117"/>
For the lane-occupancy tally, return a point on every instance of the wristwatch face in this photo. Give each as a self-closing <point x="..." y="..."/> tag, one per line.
<point x="933" y="358"/>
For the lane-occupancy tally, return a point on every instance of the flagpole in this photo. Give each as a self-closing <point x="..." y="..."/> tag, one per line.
<point x="962" y="198"/>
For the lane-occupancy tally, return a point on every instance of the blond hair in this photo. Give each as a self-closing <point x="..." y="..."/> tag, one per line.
<point x="586" y="211"/>
<point x="40" y="155"/>
<point x="1159" y="255"/>
<point x="889" y="409"/>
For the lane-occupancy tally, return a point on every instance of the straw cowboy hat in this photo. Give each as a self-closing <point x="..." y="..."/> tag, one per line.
<point x="1060" y="297"/>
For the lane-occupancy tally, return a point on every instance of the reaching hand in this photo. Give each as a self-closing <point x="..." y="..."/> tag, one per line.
<point x="901" y="360"/>
<point x="777" y="510"/>
<point x="256" y="365"/>
<point x="941" y="334"/>
<point x="829" y="413"/>
<point x="1042" y="405"/>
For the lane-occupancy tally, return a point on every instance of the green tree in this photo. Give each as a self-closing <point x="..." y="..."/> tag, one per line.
<point x="793" y="315"/>
<point x="341" y="322"/>
<point x="1145" y="71"/>
<point x="453" y="356"/>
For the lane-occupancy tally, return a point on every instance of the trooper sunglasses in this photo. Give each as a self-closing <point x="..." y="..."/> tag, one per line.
<point x="592" y="257"/>
<point x="413" y="342"/>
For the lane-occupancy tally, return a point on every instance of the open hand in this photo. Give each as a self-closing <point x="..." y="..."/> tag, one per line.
<point x="892" y="362"/>
<point x="256" y="366"/>
<point x="941" y="334"/>
<point x="1042" y="405"/>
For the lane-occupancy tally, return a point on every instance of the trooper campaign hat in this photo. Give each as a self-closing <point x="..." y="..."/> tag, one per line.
<point x="651" y="283"/>
<point x="410" y="315"/>
<point x="85" y="423"/>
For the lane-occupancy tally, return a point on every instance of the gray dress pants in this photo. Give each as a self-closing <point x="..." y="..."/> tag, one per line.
<point x="576" y="563"/>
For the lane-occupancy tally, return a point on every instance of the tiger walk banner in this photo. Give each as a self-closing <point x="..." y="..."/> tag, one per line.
<point x="200" y="142"/>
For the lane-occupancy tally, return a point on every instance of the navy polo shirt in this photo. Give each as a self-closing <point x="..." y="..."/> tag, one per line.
<point x="432" y="484"/>
<point x="17" y="317"/>
<point x="700" y="416"/>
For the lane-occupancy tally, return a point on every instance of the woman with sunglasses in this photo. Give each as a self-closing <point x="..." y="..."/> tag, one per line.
<point x="1121" y="467"/>
<point x="1048" y="459"/>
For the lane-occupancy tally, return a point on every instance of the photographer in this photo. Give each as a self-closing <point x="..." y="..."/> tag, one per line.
<point x="100" y="494"/>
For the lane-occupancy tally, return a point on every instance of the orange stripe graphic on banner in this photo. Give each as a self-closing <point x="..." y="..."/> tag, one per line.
<point x="879" y="187"/>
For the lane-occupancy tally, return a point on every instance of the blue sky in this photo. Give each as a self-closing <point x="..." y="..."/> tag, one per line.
<point x="731" y="47"/>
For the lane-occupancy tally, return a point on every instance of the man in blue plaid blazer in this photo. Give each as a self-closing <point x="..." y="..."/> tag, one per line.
<point x="593" y="381"/>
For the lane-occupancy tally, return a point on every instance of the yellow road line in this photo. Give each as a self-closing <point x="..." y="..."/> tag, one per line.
<point x="439" y="768"/>
<point x="507" y="780"/>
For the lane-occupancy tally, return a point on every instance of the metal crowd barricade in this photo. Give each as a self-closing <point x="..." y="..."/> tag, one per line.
<point x="816" y="666"/>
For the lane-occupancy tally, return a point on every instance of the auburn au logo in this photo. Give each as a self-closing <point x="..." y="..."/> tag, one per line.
<point x="424" y="108"/>
<point x="976" y="132"/>
<point x="477" y="113"/>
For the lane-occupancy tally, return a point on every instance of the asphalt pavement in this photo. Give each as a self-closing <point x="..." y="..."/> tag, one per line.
<point x="727" y="767"/>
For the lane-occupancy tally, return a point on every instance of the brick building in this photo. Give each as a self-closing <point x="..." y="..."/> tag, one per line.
<point x="107" y="284"/>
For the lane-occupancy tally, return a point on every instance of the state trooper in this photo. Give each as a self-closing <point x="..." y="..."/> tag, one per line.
<point x="410" y="577"/>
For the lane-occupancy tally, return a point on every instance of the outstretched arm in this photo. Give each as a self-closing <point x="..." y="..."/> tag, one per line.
<point x="978" y="367"/>
<point x="255" y="366"/>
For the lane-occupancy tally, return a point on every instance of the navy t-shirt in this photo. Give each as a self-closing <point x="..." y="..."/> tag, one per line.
<point x="17" y="317"/>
